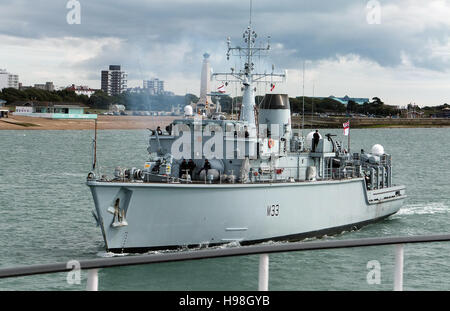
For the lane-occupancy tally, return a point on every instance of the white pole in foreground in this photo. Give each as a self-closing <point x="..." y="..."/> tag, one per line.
<point x="398" y="274"/>
<point x="263" y="284"/>
<point x="92" y="280"/>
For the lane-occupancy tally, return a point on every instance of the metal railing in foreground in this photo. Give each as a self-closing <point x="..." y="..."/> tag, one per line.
<point x="263" y="250"/>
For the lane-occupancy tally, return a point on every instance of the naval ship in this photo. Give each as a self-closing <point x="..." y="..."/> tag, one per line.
<point x="210" y="181"/>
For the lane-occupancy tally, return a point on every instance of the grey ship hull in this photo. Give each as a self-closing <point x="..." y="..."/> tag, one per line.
<point x="164" y="216"/>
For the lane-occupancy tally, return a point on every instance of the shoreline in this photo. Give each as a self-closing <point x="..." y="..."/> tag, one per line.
<point x="103" y="123"/>
<point x="371" y="123"/>
<point x="145" y="122"/>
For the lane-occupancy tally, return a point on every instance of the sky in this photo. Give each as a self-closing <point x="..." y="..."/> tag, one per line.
<point x="398" y="50"/>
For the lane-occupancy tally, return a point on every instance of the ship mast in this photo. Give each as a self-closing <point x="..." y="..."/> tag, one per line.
<point x="247" y="77"/>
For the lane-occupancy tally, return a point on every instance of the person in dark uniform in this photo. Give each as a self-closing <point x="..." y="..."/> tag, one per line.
<point x="246" y="134"/>
<point x="184" y="168"/>
<point x="206" y="166"/>
<point x="316" y="138"/>
<point x="169" y="129"/>
<point x="158" y="130"/>
<point x="191" y="167"/>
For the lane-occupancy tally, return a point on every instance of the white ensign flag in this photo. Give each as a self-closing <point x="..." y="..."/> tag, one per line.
<point x="346" y="128"/>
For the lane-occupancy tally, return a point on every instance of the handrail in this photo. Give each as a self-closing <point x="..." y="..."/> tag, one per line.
<point x="216" y="253"/>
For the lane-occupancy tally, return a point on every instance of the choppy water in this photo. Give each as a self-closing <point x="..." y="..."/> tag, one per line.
<point x="45" y="211"/>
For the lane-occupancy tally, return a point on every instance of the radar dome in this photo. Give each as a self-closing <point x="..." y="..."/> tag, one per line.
<point x="377" y="150"/>
<point x="309" y="139"/>
<point x="188" y="111"/>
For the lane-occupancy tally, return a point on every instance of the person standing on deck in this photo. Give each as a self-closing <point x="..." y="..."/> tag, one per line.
<point x="184" y="168"/>
<point x="191" y="167"/>
<point x="207" y="166"/>
<point x="316" y="139"/>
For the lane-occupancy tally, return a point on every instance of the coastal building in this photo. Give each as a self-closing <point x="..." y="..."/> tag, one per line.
<point x="24" y="87"/>
<point x="154" y="86"/>
<point x="114" y="80"/>
<point x="3" y="111"/>
<point x="346" y="99"/>
<point x="444" y="113"/>
<point x="48" y="86"/>
<point x="53" y="111"/>
<point x="412" y="111"/>
<point x="81" y="90"/>
<point x="150" y="90"/>
<point x="116" y="108"/>
<point x="8" y="80"/>
<point x="135" y="90"/>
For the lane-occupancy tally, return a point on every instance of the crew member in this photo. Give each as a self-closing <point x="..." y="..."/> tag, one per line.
<point x="184" y="168"/>
<point x="191" y="167"/>
<point x="246" y="132"/>
<point x="206" y="166"/>
<point x="158" y="130"/>
<point x="169" y="129"/>
<point x="316" y="138"/>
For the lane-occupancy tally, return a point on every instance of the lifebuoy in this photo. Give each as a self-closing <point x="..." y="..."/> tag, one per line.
<point x="270" y="143"/>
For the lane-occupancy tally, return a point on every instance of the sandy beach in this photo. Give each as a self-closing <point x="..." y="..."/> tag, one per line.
<point x="103" y="123"/>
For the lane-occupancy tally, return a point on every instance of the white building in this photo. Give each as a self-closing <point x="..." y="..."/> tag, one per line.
<point x="154" y="86"/>
<point x="81" y="90"/>
<point x="8" y="80"/>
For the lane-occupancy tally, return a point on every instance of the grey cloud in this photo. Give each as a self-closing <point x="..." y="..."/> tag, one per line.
<point x="311" y="30"/>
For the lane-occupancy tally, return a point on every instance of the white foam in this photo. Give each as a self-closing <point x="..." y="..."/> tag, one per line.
<point x="104" y="254"/>
<point x="424" y="209"/>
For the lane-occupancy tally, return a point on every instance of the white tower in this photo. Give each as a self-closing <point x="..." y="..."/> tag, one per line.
<point x="205" y="87"/>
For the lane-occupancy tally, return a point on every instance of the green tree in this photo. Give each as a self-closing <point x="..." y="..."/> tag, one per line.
<point x="352" y="106"/>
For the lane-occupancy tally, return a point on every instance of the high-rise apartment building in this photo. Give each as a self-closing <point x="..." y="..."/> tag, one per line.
<point x="154" y="86"/>
<point x="114" y="80"/>
<point x="8" y="80"/>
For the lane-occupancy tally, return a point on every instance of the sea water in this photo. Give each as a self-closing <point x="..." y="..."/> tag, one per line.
<point x="45" y="217"/>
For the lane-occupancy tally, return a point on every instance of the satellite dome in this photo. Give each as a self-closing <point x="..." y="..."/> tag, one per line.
<point x="188" y="111"/>
<point x="309" y="138"/>
<point x="377" y="150"/>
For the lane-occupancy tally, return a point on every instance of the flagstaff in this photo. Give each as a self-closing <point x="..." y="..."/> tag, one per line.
<point x="346" y="126"/>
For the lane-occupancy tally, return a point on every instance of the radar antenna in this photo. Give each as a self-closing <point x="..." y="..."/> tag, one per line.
<point x="247" y="76"/>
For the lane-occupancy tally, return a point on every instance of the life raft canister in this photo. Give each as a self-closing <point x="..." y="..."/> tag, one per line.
<point x="270" y="143"/>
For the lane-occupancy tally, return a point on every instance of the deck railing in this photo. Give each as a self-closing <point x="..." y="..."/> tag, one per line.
<point x="93" y="265"/>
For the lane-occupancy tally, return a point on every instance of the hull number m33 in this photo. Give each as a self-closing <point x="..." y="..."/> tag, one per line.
<point x="273" y="210"/>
